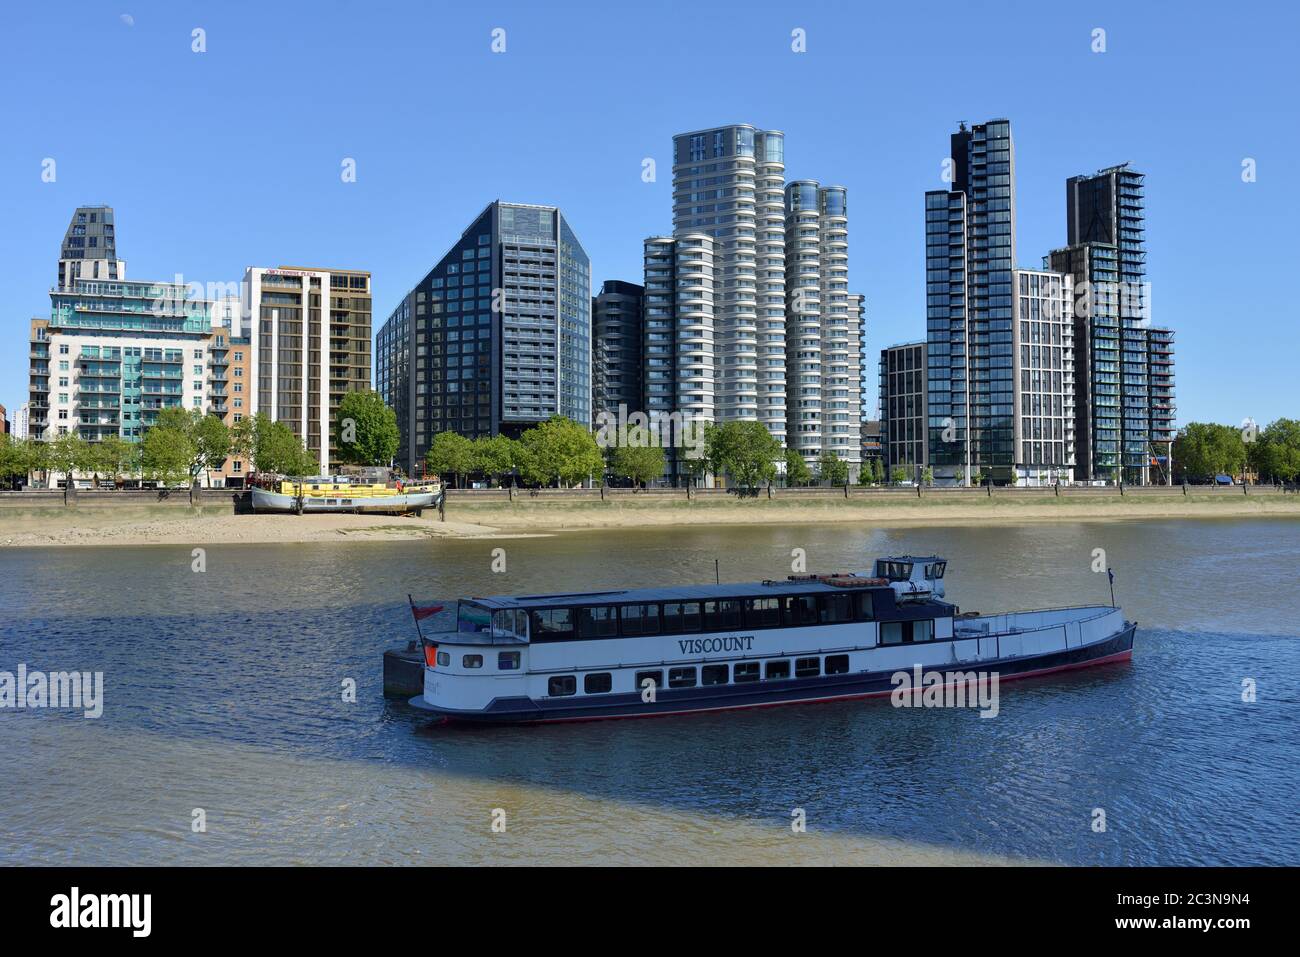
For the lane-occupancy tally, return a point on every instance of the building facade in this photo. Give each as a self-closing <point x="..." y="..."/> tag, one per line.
<point x="617" y="343"/>
<point x="903" y="429"/>
<point x="1124" y="366"/>
<point x="497" y="335"/>
<point x="970" y="235"/>
<point x="763" y="327"/>
<point x="310" y="333"/>
<point x="1043" y="340"/>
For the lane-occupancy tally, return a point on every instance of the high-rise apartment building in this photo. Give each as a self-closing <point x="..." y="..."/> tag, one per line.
<point x="114" y="352"/>
<point x="761" y="325"/>
<point x="1124" y="366"/>
<point x="497" y="335"/>
<point x="310" y="332"/>
<point x="1044" y="394"/>
<point x="970" y="235"/>
<point x="617" y="341"/>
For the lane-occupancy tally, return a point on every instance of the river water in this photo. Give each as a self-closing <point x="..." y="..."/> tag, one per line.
<point x="223" y="704"/>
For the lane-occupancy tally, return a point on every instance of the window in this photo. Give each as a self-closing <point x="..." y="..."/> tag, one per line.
<point x="472" y="661"/>
<point x="923" y="630"/>
<point x="656" y="679"/>
<point x="746" y="671"/>
<point x="713" y="675"/>
<point x="552" y="624"/>
<point x="681" y="616"/>
<point x="835" y="608"/>
<point x="722" y="615"/>
<point x="801" y="610"/>
<point x="865" y="610"/>
<point x="640" y="619"/>
<point x="597" y="622"/>
<point x="837" y="664"/>
<point x="598" y="683"/>
<point x="777" y="669"/>
<point x="762" y="612"/>
<point x="891" y="632"/>
<point x="508" y="661"/>
<point x="444" y="658"/>
<point x="807" y="667"/>
<point x="562" y="685"/>
<point x="681" y="677"/>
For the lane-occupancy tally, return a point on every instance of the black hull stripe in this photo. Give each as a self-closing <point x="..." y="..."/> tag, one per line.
<point x="760" y="694"/>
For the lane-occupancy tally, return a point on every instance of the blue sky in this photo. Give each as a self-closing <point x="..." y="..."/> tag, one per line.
<point x="229" y="158"/>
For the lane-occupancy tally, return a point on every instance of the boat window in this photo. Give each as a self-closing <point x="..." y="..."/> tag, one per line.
<point x="894" y="571"/>
<point x="891" y="632"/>
<point x="508" y="661"/>
<point x="562" y="685"/>
<point x="681" y="677"/>
<point x="473" y="619"/>
<point x="935" y="570"/>
<point x="598" y="622"/>
<point x="777" y="669"/>
<point x="801" y="610"/>
<point x="552" y="624"/>
<point x="722" y="615"/>
<point x="681" y="616"/>
<point x="598" y="683"/>
<point x="444" y="658"/>
<point x="745" y="671"/>
<point x="509" y="623"/>
<point x="472" y="661"/>
<point x="837" y="664"/>
<point x="521" y="623"/>
<point x="640" y="619"/>
<point x="656" y="679"/>
<point x="835" y="608"/>
<point x="866" y="611"/>
<point x="713" y="675"/>
<point x="807" y="667"/>
<point x="762" y="612"/>
<point x="923" y="630"/>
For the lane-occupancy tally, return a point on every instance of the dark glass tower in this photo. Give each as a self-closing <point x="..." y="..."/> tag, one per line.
<point x="970" y="253"/>
<point x="617" y="347"/>
<point x="496" y="337"/>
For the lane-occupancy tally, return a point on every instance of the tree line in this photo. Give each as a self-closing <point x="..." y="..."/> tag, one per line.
<point x="1203" y="450"/>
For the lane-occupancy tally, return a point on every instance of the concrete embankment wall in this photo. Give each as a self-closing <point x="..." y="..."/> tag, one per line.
<point x="211" y="501"/>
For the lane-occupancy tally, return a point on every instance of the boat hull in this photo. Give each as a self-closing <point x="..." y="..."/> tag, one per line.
<point x="522" y="710"/>
<point x="265" y="500"/>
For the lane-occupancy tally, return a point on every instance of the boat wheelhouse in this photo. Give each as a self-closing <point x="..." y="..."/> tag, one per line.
<point x="680" y="649"/>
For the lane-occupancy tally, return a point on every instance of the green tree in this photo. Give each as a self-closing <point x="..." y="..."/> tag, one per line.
<point x="277" y="450"/>
<point x="1276" y="451"/>
<point x="166" y="454"/>
<point x="745" y="451"/>
<point x="450" y="453"/>
<point x="117" y="457"/>
<point x="243" y="438"/>
<point x="832" y="469"/>
<point x="559" y="450"/>
<point x="366" y="429"/>
<point x="636" y="458"/>
<point x="13" y="458"/>
<point x="496" y="456"/>
<point x="65" y="453"/>
<point x="207" y="435"/>
<point x="927" y="476"/>
<point x="898" y="474"/>
<point x="1206" y="449"/>
<point x="797" y="471"/>
<point x="977" y="478"/>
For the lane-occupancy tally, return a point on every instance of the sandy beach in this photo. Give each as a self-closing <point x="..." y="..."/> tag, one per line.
<point x="143" y="526"/>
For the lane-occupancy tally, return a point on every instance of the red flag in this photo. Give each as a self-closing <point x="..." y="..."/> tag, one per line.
<point x="427" y="611"/>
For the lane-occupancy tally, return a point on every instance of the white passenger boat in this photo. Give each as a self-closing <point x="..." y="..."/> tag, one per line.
<point x="682" y="649"/>
<point x="344" y="494"/>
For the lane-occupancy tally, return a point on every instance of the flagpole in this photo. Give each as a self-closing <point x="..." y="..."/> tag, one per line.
<point x="1110" y="573"/>
<point x="416" y="617"/>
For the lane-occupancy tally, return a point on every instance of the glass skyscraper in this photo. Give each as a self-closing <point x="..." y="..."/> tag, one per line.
<point x="496" y="337"/>
<point x="970" y="235"/>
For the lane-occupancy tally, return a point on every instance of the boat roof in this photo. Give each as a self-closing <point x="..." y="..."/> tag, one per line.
<point x="768" y="589"/>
